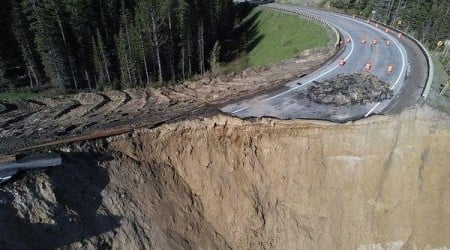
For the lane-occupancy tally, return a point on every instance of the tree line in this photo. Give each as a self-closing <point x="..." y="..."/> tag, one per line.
<point x="427" y="20"/>
<point x="87" y="44"/>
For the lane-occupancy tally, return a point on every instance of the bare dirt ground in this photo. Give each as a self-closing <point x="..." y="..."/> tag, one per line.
<point x="224" y="183"/>
<point x="35" y="122"/>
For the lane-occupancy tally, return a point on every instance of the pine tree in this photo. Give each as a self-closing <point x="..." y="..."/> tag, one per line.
<point x="28" y="51"/>
<point x="3" y="81"/>
<point x="126" y="49"/>
<point x="184" y="35"/>
<point x="156" y="42"/>
<point x="142" y="44"/>
<point x="80" y="26"/>
<point x="47" y="38"/>
<point x="104" y="58"/>
<point x="214" y="60"/>
<point x="82" y="43"/>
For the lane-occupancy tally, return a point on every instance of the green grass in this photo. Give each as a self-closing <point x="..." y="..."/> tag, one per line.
<point x="283" y="36"/>
<point x="440" y="77"/>
<point x="17" y="96"/>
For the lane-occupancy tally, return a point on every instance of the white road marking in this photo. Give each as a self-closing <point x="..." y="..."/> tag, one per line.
<point x="346" y="58"/>
<point x="373" y="109"/>
<point x="310" y="81"/>
<point x="239" y="110"/>
<point x="5" y="178"/>
<point x="399" y="48"/>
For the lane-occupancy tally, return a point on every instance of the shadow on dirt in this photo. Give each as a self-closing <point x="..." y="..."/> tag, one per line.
<point x="65" y="207"/>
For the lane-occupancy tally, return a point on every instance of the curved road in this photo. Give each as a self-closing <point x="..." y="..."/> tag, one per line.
<point x="290" y="102"/>
<point x="27" y="126"/>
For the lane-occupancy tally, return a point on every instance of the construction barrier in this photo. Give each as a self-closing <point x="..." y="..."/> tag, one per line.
<point x="430" y="65"/>
<point x="368" y="67"/>
<point x="390" y="68"/>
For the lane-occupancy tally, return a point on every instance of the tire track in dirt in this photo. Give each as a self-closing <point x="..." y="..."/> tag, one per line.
<point x="89" y="115"/>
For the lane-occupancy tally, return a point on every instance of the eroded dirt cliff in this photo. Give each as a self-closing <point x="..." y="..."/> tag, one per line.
<point x="221" y="182"/>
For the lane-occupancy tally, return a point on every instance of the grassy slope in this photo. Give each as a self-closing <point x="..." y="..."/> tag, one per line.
<point x="17" y="96"/>
<point x="440" y="76"/>
<point x="284" y="36"/>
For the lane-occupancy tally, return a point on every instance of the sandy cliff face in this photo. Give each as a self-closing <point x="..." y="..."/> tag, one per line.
<point x="380" y="183"/>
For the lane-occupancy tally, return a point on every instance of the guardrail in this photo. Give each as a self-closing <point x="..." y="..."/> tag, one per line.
<point x="312" y="17"/>
<point x="429" y="60"/>
<point x="430" y="65"/>
<point x="430" y="75"/>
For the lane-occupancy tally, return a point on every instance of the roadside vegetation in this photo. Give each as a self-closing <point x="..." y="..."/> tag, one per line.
<point x="426" y="20"/>
<point x="435" y="99"/>
<point x="17" y="96"/>
<point x="86" y="45"/>
<point x="267" y="36"/>
<point x="58" y="48"/>
<point x="282" y="36"/>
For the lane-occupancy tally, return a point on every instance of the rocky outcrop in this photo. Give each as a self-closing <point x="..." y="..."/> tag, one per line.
<point x="220" y="182"/>
<point x="350" y="89"/>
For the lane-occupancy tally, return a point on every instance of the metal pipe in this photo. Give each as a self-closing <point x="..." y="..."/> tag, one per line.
<point x="38" y="161"/>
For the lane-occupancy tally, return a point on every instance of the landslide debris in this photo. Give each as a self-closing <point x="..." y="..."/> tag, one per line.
<point x="225" y="183"/>
<point x="350" y="89"/>
<point x="24" y="124"/>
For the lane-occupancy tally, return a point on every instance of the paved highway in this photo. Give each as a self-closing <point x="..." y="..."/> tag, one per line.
<point x="290" y="102"/>
<point x="31" y="125"/>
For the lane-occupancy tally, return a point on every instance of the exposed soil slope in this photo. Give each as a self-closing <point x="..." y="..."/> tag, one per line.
<point x="222" y="183"/>
<point x="38" y="121"/>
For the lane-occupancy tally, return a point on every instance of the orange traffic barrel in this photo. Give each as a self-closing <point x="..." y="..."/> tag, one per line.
<point x="399" y="35"/>
<point x="348" y="40"/>
<point x="341" y="62"/>
<point x="376" y="25"/>
<point x="363" y="41"/>
<point x="387" y="30"/>
<point x="368" y="66"/>
<point x="390" y="68"/>
<point x="388" y="42"/>
<point x="374" y="42"/>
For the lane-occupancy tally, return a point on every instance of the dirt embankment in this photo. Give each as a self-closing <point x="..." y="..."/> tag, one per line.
<point x="36" y="122"/>
<point x="220" y="182"/>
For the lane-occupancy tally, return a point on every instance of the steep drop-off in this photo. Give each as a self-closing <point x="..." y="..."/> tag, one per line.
<point x="220" y="182"/>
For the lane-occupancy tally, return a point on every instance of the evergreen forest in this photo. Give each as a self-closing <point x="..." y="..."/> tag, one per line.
<point x="98" y="44"/>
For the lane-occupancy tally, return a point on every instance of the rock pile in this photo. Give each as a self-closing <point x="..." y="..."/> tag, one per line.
<point x="350" y="89"/>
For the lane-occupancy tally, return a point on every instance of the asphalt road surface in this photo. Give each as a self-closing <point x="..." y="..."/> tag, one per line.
<point x="34" y="125"/>
<point x="290" y="102"/>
